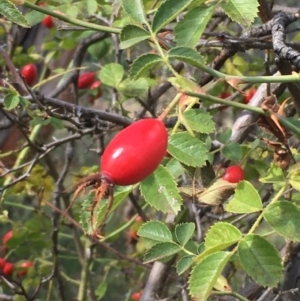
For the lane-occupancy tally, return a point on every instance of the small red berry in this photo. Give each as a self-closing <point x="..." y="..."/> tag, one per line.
<point x="8" y="269"/>
<point x="139" y="219"/>
<point x="136" y="296"/>
<point x="234" y="174"/>
<point x="6" y="237"/>
<point x="85" y="80"/>
<point x="225" y="94"/>
<point x="48" y="22"/>
<point x="2" y="263"/>
<point x="135" y="152"/>
<point x="25" y="266"/>
<point x="249" y="95"/>
<point x="29" y="72"/>
<point x="95" y="86"/>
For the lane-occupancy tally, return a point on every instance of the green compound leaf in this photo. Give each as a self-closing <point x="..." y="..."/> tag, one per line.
<point x="187" y="149"/>
<point x="184" y="263"/>
<point x="199" y="121"/>
<point x="241" y="11"/>
<point x="184" y="232"/>
<point x="187" y="55"/>
<point x="161" y="251"/>
<point x="144" y="63"/>
<point x="222" y="235"/>
<point x="135" y="10"/>
<point x="206" y="273"/>
<point x="260" y="260"/>
<point x="10" y="12"/>
<point x="112" y="74"/>
<point x="155" y="230"/>
<point x="160" y="191"/>
<point x="131" y="35"/>
<point x="189" y="30"/>
<point x="167" y="12"/>
<point x="284" y="217"/>
<point x="232" y="151"/>
<point x="246" y="199"/>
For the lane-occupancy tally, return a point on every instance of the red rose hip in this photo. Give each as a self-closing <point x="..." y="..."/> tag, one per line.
<point x="48" y="22"/>
<point x="8" y="269"/>
<point x="29" y="72"/>
<point x="85" y="80"/>
<point x="135" y="152"/>
<point x="6" y="237"/>
<point x="25" y="266"/>
<point x="234" y="174"/>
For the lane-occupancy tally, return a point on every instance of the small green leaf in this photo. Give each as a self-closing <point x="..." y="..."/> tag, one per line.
<point x="134" y="88"/>
<point x="224" y="137"/>
<point x="160" y="191"/>
<point x="155" y="230"/>
<point x="199" y="121"/>
<point x="246" y="199"/>
<point x="243" y="12"/>
<point x="284" y="217"/>
<point x="91" y="6"/>
<point x="274" y="175"/>
<point x="131" y="35"/>
<point x="101" y="290"/>
<point x="222" y="235"/>
<point x="260" y="260"/>
<point x="187" y="149"/>
<point x="184" y="263"/>
<point x="232" y="151"/>
<point x="161" y="250"/>
<point x="11" y="101"/>
<point x="206" y="273"/>
<point x="135" y="10"/>
<point x="187" y="55"/>
<point x="175" y="168"/>
<point x="112" y="74"/>
<point x="167" y="12"/>
<point x="189" y="30"/>
<point x="10" y="12"/>
<point x="143" y="63"/>
<point x="184" y="232"/>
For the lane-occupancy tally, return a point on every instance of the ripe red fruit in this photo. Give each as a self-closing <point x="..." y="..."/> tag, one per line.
<point x="224" y="94"/>
<point x="6" y="237"/>
<point x="85" y="80"/>
<point x="48" y="22"/>
<point x="29" y="72"/>
<point x="95" y="86"/>
<point x="25" y="266"/>
<point x="249" y="95"/>
<point x="2" y="263"/>
<point x="8" y="269"/>
<point x="234" y="174"/>
<point x="135" y="152"/>
<point x="136" y="296"/>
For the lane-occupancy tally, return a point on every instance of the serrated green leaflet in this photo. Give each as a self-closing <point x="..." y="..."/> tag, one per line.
<point x="187" y="149"/>
<point x="205" y="274"/>
<point x="184" y="232"/>
<point x="11" y="101"/>
<point x="232" y="151"/>
<point x="131" y="35"/>
<point x="134" y="88"/>
<point x="199" y="121"/>
<point x="160" y="191"/>
<point x="187" y="55"/>
<point x="155" y="230"/>
<point x="189" y="30"/>
<point x="260" y="260"/>
<point x="241" y="11"/>
<point x="222" y="235"/>
<point x="10" y="12"/>
<point x="167" y="12"/>
<point x="246" y="199"/>
<point x="284" y="217"/>
<point x="112" y="74"/>
<point x="143" y="63"/>
<point x="273" y="175"/>
<point x="184" y="263"/>
<point x="135" y="10"/>
<point x="161" y="250"/>
<point x="175" y="168"/>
